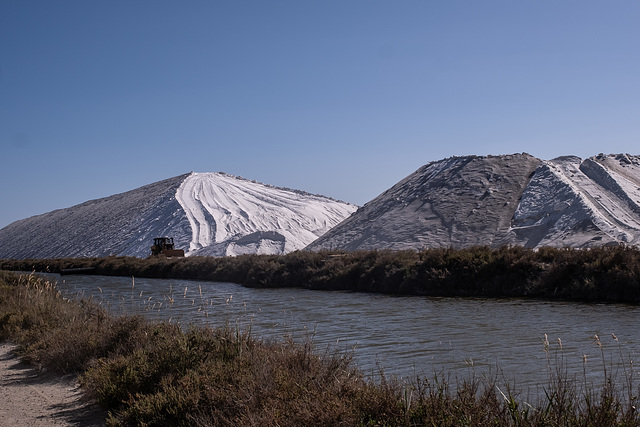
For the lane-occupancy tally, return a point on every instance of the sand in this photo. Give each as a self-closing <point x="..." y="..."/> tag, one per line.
<point x="29" y="397"/>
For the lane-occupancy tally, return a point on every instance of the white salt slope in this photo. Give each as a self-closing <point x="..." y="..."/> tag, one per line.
<point x="571" y="202"/>
<point x="231" y="215"/>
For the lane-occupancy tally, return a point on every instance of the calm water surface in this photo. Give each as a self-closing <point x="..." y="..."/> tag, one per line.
<point x="404" y="336"/>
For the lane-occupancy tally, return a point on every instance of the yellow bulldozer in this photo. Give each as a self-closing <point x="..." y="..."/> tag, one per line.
<point x="164" y="246"/>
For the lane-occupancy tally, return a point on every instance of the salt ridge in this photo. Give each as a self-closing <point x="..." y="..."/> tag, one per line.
<point x="568" y="193"/>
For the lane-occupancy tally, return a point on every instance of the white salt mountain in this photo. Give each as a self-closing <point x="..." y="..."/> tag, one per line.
<point x="457" y="202"/>
<point x="501" y="200"/>
<point x="206" y="214"/>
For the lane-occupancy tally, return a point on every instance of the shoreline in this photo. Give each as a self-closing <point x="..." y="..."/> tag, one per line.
<point x="596" y="275"/>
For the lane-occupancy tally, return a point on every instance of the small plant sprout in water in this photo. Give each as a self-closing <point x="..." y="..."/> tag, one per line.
<point x="596" y="340"/>
<point x="545" y="343"/>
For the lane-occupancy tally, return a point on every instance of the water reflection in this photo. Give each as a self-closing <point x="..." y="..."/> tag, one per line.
<point x="404" y="336"/>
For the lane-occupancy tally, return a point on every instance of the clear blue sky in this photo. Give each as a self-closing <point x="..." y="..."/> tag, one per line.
<point x="342" y="98"/>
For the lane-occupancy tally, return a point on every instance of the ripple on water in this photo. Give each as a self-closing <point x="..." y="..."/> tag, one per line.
<point x="403" y="335"/>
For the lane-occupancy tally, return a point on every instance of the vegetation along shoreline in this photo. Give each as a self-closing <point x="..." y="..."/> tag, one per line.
<point x="143" y="372"/>
<point x="602" y="274"/>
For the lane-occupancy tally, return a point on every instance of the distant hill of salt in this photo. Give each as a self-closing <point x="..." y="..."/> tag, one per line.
<point x="501" y="200"/>
<point x="206" y="214"/>
<point x="457" y="202"/>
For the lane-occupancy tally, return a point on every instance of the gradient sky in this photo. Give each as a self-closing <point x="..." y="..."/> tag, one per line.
<point x="341" y="98"/>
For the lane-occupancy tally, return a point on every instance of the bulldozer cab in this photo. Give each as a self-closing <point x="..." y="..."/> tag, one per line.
<point x="163" y="242"/>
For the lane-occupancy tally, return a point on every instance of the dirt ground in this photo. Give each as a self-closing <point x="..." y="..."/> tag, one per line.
<point x="29" y="397"/>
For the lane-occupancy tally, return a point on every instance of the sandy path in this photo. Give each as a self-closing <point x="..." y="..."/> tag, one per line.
<point x="32" y="398"/>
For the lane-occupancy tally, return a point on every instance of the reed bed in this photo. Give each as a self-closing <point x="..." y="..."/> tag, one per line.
<point x="159" y="373"/>
<point x="171" y="304"/>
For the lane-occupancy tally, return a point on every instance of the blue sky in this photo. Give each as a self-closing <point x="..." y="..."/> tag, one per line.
<point x="341" y="98"/>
